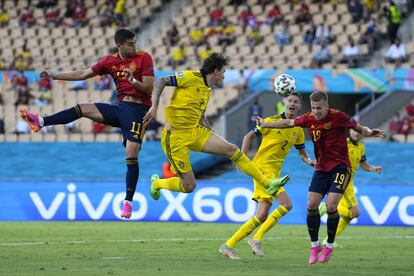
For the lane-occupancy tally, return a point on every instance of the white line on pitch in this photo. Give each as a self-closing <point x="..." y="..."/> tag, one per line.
<point x="387" y="237"/>
<point x="112" y="258"/>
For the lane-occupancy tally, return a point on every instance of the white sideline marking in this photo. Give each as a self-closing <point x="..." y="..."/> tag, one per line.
<point x="385" y="237"/>
<point x="112" y="258"/>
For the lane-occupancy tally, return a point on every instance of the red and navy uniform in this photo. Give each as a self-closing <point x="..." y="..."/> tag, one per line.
<point x="126" y="115"/>
<point x="140" y="64"/>
<point x="331" y="150"/>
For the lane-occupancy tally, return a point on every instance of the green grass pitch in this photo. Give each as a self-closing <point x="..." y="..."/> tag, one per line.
<point x="142" y="248"/>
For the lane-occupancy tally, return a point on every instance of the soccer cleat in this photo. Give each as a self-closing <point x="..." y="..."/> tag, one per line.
<point x="256" y="247"/>
<point x="229" y="252"/>
<point x="126" y="210"/>
<point x="31" y="119"/>
<point x="325" y="255"/>
<point x="276" y="184"/>
<point x="155" y="193"/>
<point x="335" y="245"/>
<point x="322" y="209"/>
<point x="314" y="251"/>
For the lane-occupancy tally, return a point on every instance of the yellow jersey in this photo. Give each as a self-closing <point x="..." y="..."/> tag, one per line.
<point x="276" y="144"/>
<point x="356" y="153"/>
<point x="189" y="99"/>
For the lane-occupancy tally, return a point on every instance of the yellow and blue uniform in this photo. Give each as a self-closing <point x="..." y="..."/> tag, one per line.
<point x="183" y="114"/>
<point x="356" y="153"/>
<point x="275" y="145"/>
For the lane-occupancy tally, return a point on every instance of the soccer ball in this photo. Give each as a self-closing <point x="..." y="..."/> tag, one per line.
<point x="284" y="85"/>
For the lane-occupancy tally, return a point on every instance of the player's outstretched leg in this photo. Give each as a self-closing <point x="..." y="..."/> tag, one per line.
<point x="229" y="252"/>
<point x="31" y="119"/>
<point x="276" y="184"/>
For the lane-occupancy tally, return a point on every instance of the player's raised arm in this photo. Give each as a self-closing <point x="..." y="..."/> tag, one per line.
<point x="69" y="76"/>
<point x="367" y="132"/>
<point x="370" y="168"/>
<point x="285" y="123"/>
<point x="159" y="85"/>
<point x="247" y="141"/>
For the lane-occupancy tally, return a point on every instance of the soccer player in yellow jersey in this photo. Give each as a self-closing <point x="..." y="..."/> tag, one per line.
<point x="187" y="130"/>
<point x="348" y="205"/>
<point x="275" y="145"/>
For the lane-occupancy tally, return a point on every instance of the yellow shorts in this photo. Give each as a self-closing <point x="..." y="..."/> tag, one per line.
<point x="349" y="198"/>
<point x="177" y="145"/>
<point x="260" y="193"/>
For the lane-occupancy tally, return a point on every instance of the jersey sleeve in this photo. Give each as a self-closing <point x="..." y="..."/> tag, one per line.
<point x="302" y="121"/>
<point x="100" y="68"/>
<point x="264" y="131"/>
<point x="300" y="140"/>
<point x="147" y="66"/>
<point x="344" y="120"/>
<point x="181" y="79"/>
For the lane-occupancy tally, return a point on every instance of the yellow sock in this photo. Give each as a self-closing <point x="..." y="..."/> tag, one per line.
<point x="274" y="217"/>
<point x="249" y="167"/>
<point x="344" y="211"/>
<point x="172" y="184"/>
<point x="243" y="231"/>
<point x="343" y="223"/>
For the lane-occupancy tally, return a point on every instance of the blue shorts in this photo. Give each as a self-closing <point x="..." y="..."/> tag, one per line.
<point x="127" y="116"/>
<point x="334" y="181"/>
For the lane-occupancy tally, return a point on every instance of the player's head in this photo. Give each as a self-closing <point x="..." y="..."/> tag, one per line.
<point x="319" y="104"/>
<point x="125" y="42"/>
<point x="213" y="67"/>
<point x="355" y="135"/>
<point x="293" y="104"/>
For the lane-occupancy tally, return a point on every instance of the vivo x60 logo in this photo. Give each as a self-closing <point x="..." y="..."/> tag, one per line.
<point x="207" y="205"/>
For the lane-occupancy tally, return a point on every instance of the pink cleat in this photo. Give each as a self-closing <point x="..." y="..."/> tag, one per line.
<point x="314" y="251"/>
<point x="31" y="119"/>
<point x="126" y="210"/>
<point x="325" y="255"/>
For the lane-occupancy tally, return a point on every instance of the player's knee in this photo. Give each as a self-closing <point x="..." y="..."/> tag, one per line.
<point x="86" y="109"/>
<point x="188" y="186"/>
<point x="355" y="213"/>
<point x="287" y="205"/>
<point x="261" y="217"/>
<point x="331" y="208"/>
<point x="230" y="149"/>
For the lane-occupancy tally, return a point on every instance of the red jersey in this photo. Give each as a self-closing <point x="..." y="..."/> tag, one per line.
<point x="140" y="65"/>
<point x="328" y="137"/>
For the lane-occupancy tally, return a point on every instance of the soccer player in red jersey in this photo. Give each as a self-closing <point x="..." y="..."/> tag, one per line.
<point x="327" y="128"/>
<point x="133" y="74"/>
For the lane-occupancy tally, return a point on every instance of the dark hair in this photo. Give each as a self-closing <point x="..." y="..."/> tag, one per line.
<point x="214" y="61"/>
<point x="318" y="96"/>
<point x="123" y="35"/>
<point x="297" y="95"/>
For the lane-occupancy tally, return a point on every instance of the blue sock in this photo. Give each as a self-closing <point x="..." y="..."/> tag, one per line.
<point x="131" y="177"/>
<point x="332" y="225"/>
<point x="313" y="220"/>
<point x="63" y="117"/>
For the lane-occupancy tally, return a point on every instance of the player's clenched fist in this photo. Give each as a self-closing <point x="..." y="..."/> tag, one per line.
<point x="46" y="74"/>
